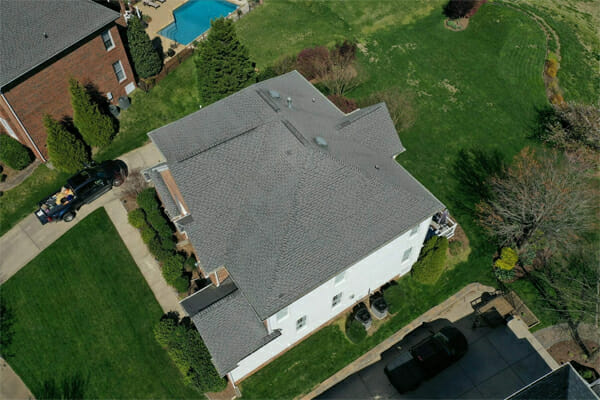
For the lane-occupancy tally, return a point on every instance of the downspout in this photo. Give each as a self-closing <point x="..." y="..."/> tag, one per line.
<point x="23" y="127"/>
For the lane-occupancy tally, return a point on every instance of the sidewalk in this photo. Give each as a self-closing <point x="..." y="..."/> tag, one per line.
<point x="11" y="386"/>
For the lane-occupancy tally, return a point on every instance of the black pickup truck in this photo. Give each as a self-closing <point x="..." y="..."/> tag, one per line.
<point x="82" y="188"/>
<point x="426" y="359"/>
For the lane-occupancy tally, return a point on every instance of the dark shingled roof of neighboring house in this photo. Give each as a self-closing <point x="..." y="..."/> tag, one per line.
<point x="561" y="384"/>
<point x="280" y="212"/>
<point x="24" y="22"/>
<point x="231" y="331"/>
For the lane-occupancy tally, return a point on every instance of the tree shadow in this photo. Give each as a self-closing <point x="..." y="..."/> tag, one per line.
<point x="70" y="387"/>
<point x="7" y="321"/>
<point x="157" y="44"/>
<point x="67" y="123"/>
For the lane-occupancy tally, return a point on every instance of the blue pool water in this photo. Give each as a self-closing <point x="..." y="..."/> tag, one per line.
<point x="193" y="19"/>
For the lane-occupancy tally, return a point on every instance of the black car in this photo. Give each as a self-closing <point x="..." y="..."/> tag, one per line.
<point x="426" y="359"/>
<point x="82" y="188"/>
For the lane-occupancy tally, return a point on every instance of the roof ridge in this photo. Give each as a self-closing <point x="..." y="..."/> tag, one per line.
<point x="201" y="150"/>
<point x="357" y="115"/>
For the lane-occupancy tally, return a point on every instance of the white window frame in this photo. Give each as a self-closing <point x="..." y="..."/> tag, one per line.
<point x="282" y="314"/>
<point x="9" y="129"/>
<point x="301" y="323"/>
<point x="112" y="42"/>
<point x="414" y="230"/>
<point x="122" y="69"/>
<point x="407" y="254"/>
<point x="340" y="278"/>
<point x="336" y="300"/>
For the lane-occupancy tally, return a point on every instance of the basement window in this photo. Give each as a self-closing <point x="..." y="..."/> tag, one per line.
<point x="301" y="323"/>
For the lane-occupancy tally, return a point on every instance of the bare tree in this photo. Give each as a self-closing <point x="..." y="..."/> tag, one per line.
<point x="133" y="185"/>
<point x="570" y="288"/>
<point x="571" y="126"/>
<point x="547" y="195"/>
<point x="400" y="105"/>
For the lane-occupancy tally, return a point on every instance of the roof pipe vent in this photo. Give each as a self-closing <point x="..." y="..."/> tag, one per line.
<point x="321" y="142"/>
<point x="45" y="35"/>
<point x="289" y="102"/>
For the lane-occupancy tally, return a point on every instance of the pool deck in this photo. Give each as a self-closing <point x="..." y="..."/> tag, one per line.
<point x="163" y="16"/>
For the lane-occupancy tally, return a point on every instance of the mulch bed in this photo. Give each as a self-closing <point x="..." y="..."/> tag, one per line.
<point x="568" y="350"/>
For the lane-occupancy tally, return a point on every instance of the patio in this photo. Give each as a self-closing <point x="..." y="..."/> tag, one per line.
<point x="163" y="16"/>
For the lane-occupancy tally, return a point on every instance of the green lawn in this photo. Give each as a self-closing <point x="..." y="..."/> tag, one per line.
<point x="17" y="203"/>
<point x="82" y="306"/>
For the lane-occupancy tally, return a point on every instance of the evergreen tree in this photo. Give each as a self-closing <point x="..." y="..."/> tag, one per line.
<point x="146" y="60"/>
<point x="66" y="152"/>
<point x="95" y="128"/>
<point x="222" y="63"/>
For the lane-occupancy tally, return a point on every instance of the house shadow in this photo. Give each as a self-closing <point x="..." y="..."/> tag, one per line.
<point x="67" y="122"/>
<point x="102" y="101"/>
<point x="157" y="44"/>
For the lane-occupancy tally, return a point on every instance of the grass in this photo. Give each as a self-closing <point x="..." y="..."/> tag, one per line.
<point x="17" y="203"/>
<point x="81" y="307"/>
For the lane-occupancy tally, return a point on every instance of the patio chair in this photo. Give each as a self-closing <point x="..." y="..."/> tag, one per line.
<point x="151" y="3"/>
<point x="161" y="1"/>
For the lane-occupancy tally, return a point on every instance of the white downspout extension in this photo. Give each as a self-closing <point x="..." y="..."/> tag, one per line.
<point x="23" y="127"/>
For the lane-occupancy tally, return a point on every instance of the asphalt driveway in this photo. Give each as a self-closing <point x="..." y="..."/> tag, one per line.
<point x="498" y="363"/>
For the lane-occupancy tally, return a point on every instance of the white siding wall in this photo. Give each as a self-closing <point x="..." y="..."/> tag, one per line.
<point x="361" y="279"/>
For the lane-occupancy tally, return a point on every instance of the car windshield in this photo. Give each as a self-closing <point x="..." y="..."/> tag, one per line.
<point x="444" y="341"/>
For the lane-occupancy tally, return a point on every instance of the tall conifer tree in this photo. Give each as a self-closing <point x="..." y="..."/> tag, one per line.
<point x="95" y="128"/>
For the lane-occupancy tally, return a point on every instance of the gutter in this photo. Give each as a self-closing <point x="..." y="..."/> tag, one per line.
<point x="23" y="127"/>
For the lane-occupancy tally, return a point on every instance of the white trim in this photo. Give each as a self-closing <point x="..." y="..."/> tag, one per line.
<point x="122" y="69"/>
<point x="23" y="127"/>
<point x="9" y="129"/>
<point x="111" y="40"/>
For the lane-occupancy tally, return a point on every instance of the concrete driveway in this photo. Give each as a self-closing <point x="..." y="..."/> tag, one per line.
<point x="498" y="363"/>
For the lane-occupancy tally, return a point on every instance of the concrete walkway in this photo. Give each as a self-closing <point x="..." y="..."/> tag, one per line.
<point x="11" y="386"/>
<point x="454" y="308"/>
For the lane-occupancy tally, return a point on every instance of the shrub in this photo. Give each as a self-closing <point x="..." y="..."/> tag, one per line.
<point x="137" y="218"/>
<point x="95" y="128"/>
<point x="168" y="243"/>
<point x="156" y="248"/>
<point x="181" y="284"/>
<point x="551" y="68"/>
<point x="146" y="60"/>
<point x="393" y="297"/>
<point x="343" y="103"/>
<point x="265" y="74"/>
<point x="458" y="8"/>
<point x="172" y="268"/>
<point x="189" y="353"/>
<point x="508" y="259"/>
<point x="190" y="264"/>
<point x="157" y="220"/>
<point x="313" y="62"/>
<point x="355" y="331"/>
<point x="504" y="275"/>
<point x="148" y="234"/>
<point x="455" y="247"/>
<point x="66" y="152"/>
<point x="400" y="105"/>
<point x="285" y="64"/>
<point x="147" y="200"/>
<point x="13" y="153"/>
<point x="430" y="265"/>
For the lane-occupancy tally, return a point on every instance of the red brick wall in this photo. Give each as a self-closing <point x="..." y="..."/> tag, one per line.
<point x="47" y="90"/>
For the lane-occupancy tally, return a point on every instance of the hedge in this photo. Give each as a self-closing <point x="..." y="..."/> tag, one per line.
<point x="430" y="265"/>
<point x="147" y="200"/>
<point x="13" y="153"/>
<point x="137" y="218"/>
<point x="181" y="284"/>
<point x="158" y="251"/>
<point x="172" y="268"/>
<point x="189" y="353"/>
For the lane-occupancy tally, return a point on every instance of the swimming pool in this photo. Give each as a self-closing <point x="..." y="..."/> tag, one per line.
<point x="193" y="19"/>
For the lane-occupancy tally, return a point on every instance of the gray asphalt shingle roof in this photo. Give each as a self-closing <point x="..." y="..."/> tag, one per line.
<point x="168" y="202"/>
<point x="280" y="212"/>
<point x="24" y="22"/>
<point x="231" y="331"/>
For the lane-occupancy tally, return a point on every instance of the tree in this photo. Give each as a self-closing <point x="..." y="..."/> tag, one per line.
<point x="13" y="153"/>
<point x="571" y="287"/>
<point x="95" y="128"/>
<point x="66" y="152"/>
<point x="146" y="60"/>
<point x="222" y="63"/>
<point x="543" y="194"/>
<point x="399" y="104"/>
<point x="455" y="9"/>
<point x="571" y="126"/>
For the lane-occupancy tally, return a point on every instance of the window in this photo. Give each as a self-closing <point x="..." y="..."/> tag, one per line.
<point x="339" y="279"/>
<point x="119" y="72"/>
<point x="414" y="230"/>
<point x="109" y="96"/>
<point x="301" y="323"/>
<point x="282" y="314"/>
<point x="406" y="255"/>
<point x="337" y="299"/>
<point x="108" y="42"/>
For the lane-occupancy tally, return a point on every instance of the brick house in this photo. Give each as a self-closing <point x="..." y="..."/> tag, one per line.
<point x="43" y="44"/>
<point x="295" y="210"/>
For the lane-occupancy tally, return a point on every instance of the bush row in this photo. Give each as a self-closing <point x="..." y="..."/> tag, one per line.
<point x="158" y="236"/>
<point x="189" y="353"/>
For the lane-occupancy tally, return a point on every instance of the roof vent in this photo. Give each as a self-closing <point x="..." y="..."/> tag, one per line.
<point x="45" y="35"/>
<point x="289" y="102"/>
<point x="274" y="94"/>
<point x="321" y="142"/>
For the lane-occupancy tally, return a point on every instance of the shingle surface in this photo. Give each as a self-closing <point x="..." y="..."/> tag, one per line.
<point x="281" y="213"/>
<point x="167" y="200"/>
<point x="24" y="22"/>
<point x="231" y="330"/>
